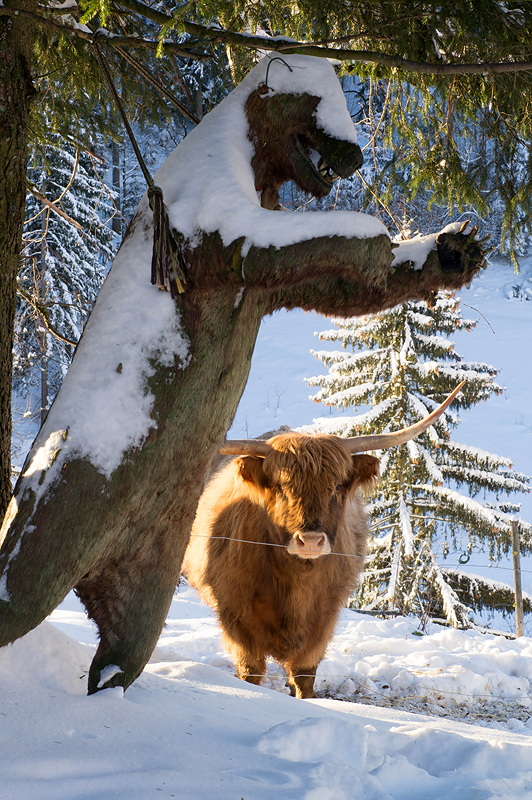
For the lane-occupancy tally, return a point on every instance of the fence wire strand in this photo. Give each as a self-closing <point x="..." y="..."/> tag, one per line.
<point x="345" y="555"/>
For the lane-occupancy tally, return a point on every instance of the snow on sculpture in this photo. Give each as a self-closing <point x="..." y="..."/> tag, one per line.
<point x="108" y="493"/>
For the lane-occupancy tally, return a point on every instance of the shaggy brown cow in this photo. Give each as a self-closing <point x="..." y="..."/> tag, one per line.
<point x="297" y="494"/>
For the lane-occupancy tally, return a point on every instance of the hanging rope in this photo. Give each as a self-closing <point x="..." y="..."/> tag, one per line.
<point x="159" y="85"/>
<point x="167" y="263"/>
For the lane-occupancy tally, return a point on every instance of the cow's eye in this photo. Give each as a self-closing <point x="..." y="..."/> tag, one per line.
<point x="338" y="488"/>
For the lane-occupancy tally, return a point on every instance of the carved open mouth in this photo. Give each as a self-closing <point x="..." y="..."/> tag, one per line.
<point x="319" y="166"/>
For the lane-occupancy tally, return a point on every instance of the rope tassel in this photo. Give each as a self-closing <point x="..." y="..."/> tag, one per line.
<point x="166" y="261"/>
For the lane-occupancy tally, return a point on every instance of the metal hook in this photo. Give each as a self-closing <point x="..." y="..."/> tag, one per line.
<point x="275" y="58"/>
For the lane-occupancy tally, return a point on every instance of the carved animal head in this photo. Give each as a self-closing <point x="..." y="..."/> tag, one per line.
<point x="305" y="481"/>
<point x="289" y="145"/>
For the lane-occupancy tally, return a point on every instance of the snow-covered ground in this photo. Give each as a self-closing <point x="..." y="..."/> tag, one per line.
<point x="446" y="714"/>
<point x="188" y="729"/>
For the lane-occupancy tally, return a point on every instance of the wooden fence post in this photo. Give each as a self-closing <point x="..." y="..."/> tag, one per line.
<point x="517" y="580"/>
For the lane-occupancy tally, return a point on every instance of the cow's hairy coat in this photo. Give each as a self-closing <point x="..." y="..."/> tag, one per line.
<point x="272" y="602"/>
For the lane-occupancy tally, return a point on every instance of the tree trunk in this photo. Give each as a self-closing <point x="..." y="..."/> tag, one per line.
<point x="15" y="89"/>
<point x="127" y="535"/>
<point x="40" y="327"/>
<point x="198" y="102"/>
<point x="116" y="224"/>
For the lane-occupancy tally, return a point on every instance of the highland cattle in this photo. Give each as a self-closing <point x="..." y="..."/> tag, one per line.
<point x="278" y="544"/>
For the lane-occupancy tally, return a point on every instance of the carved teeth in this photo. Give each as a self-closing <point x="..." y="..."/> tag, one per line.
<point x="316" y="159"/>
<point x="325" y="171"/>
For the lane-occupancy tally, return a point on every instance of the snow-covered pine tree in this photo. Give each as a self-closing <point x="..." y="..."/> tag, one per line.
<point x="403" y="366"/>
<point x="65" y="258"/>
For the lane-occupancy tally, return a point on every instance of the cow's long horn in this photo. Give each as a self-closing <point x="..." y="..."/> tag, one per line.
<point x="245" y="447"/>
<point x="359" y="444"/>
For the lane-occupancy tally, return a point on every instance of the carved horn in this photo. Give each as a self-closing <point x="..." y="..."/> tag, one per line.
<point x="245" y="447"/>
<point x="359" y="444"/>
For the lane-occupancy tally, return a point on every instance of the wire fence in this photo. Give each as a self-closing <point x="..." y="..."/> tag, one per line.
<point x="381" y="612"/>
<point x="351" y="555"/>
<point x="430" y="692"/>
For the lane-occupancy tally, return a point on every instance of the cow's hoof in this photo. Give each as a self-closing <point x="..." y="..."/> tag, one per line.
<point x="461" y="252"/>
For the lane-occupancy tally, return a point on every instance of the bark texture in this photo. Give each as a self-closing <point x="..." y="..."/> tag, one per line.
<point x="15" y="92"/>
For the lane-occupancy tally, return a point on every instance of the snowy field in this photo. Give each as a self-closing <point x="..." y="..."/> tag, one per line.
<point x="188" y="729"/>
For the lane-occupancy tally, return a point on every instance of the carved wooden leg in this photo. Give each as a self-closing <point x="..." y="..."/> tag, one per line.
<point x="130" y="608"/>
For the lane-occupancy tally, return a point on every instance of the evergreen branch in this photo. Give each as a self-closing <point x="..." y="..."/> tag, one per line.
<point x="281" y="45"/>
<point x="42" y="311"/>
<point x="112" y="40"/>
<point x="375" y="33"/>
<point x="157" y="84"/>
<point x="42" y="199"/>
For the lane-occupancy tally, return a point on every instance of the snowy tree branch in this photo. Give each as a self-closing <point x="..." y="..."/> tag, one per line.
<point x="44" y="200"/>
<point x="42" y="311"/>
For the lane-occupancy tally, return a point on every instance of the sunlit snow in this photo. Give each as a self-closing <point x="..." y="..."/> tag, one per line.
<point x="188" y="729"/>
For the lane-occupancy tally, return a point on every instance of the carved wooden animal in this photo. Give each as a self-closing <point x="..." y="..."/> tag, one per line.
<point x="278" y="544"/>
<point x="118" y="535"/>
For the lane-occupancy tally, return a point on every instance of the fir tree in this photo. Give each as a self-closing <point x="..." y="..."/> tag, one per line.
<point x="434" y="493"/>
<point x="65" y="258"/>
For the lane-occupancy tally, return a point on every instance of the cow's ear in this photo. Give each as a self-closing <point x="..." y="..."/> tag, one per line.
<point x="250" y="469"/>
<point x="365" y="471"/>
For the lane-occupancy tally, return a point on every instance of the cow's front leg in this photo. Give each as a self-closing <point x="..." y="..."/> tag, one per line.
<point x="250" y="666"/>
<point x="301" y="680"/>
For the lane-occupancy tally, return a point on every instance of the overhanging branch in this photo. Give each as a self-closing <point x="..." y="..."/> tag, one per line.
<point x="112" y="40"/>
<point x="158" y="85"/>
<point x="283" y="45"/>
<point x="41" y="309"/>
<point x="59" y="211"/>
<point x="215" y="35"/>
